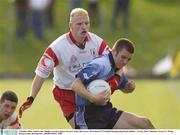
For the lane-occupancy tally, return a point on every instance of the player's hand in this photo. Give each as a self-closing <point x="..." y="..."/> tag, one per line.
<point x="25" y="105"/>
<point x="102" y="98"/>
<point x="129" y="87"/>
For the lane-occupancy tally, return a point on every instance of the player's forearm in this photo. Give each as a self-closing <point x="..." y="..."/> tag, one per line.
<point x="80" y="89"/>
<point x="36" y="86"/>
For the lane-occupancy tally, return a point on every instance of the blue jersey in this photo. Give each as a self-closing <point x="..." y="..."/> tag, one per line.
<point x="100" y="68"/>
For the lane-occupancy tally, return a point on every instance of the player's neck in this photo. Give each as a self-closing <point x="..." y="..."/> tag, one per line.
<point x="80" y="42"/>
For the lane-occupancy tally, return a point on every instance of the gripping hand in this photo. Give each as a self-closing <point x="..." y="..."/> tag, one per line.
<point x="25" y="105"/>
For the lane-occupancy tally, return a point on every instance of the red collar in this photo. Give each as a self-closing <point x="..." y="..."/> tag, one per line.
<point x="82" y="46"/>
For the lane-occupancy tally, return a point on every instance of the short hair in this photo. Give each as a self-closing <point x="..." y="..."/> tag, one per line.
<point x="9" y="95"/>
<point x="123" y="43"/>
<point x="77" y="12"/>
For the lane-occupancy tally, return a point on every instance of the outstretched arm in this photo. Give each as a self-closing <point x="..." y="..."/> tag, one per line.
<point x="36" y="86"/>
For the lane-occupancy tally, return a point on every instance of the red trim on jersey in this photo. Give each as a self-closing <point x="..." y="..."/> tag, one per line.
<point x="15" y="122"/>
<point x="66" y="100"/>
<point x="113" y="82"/>
<point x="102" y="47"/>
<point x="72" y="38"/>
<point x="51" y="53"/>
<point x="76" y="43"/>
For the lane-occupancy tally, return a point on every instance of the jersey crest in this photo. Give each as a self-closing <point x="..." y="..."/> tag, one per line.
<point x="93" y="52"/>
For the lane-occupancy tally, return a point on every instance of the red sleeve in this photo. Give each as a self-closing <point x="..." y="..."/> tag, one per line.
<point x="51" y="54"/>
<point x="113" y="82"/>
<point x="103" y="47"/>
<point x="14" y="122"/>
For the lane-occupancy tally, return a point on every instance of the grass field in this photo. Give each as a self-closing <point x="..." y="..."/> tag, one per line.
<point x="154" y="99"/>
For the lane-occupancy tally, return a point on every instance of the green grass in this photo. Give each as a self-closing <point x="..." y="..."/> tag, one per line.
<point x="44" y="113"/>
<point x="154" y="99"/>
<point x="154" y="28"/>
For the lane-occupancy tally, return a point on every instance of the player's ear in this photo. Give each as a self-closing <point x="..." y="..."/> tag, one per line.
<point x="114" y="52"/>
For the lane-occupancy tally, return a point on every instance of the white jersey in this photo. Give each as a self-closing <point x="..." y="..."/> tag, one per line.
<point x="65" y="58"/>
<point x="12" y="120"/>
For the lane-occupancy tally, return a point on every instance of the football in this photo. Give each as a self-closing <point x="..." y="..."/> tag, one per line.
<point x="97" y="86"/>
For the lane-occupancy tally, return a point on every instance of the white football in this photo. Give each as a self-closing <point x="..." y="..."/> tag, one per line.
<point x="97" y="86"/>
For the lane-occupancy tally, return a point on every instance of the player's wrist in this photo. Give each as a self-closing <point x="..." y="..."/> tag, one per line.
<point x="92" y="98"/>
<point x="30" y="98"/>
<point x="123" y="81"/>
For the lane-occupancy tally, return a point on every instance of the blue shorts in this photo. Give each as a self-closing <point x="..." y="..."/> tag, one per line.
<point x="97" y="117"/>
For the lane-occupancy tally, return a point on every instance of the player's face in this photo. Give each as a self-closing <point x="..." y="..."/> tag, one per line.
<point x="122" y="58"/>
<point x="79" y="27"/>
<point x="7" y="108"/>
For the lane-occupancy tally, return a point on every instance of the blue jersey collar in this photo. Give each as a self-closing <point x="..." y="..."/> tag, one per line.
<point x="112" y="60"/>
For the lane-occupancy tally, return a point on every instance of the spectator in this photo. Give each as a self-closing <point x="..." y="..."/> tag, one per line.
<point x="75" y="4"/>
<point x="120" y="7"/>
<point x="38" y="16"/>
<point x="94" y="13"/>
<point x="50" y="14"/>
<point x="22" y="22"/>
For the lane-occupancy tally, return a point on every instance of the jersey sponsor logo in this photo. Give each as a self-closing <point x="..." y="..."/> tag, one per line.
<point x="77" y="66"/>
<point x="73" y="59"/>
<point x="85" y="75"/>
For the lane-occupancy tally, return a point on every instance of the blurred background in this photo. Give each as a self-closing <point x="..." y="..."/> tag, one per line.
<point x="153" y="25"/>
